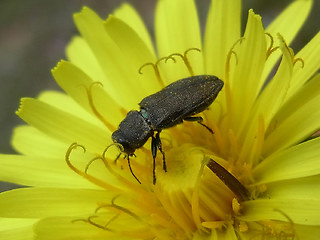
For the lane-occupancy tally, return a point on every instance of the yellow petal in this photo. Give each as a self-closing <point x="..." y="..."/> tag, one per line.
<point x="246" y="79"/>
<point x="301" y="188"/>
<point x="129" y="15"/>
<point x="40" y="171"/>
<point x="17" y="228"/>
<point x="137" y="54"/>
<point x="275" y="229"/>
<point x="266" y="106"/>
<point x="177" y="26"/>
<point x="306" y="93"/>
<point x="307" y="232"/>
<point x="310" y="55"/>
<point x="177" y="29"/>
<point x="222" y="31"/>
<point x="300" y="211"/>
<point x="62" y="125"/>
<point x="26" y="140"/>
<point x="109" y="56"/>
<point x="299" y="161"/>
<point x="272" y="97"/>
<point x="79" y="53"/>
<point x="76" y="83"/>
<point x="46" y="202"/>
<point x="61" y="228"/>
<point x="292" y="112"/>
<point x="288" y="23"/>
<point x="216" y="234"/>
<point x="298" y="126"/>
<point x="66" y="103"/>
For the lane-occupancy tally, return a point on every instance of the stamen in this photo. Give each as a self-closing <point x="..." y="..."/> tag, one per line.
<point x="234" y="145"/>
<point x="271" y="49"/>
<point x="156" y="70"/>
<point x="94" y="109"/>
<point x="229" y="180"/>
<point x="90" y="162"/>
<point x="155" y="66"/>
<point x="112" y="220"/>
<point x="185" y="59"/>
<point x="258" y="143"/>
<point x="227" y="88"/>
<point x="113" y="206"/>
<point x="89" y="220"/>
<point x="295" y="60"/>
<point x="124" y="181"/>
<point x="291" y="223"/>
<point x="166" y="59"/>
<point x="112" y="144"/>
<point x="235" y="206"/>
<point x="176" y="213"/>
<point x="231" y="51"/>
<point x="195" y="209"/>
<point x="229" y="103"/>
<point x="218" y="136"/>
<point x="278" y="229"/>
<point x="214" y="224"/>
<point x="243" y="226"/>
<point x="84" y="174"/>
<point x="126" y="157"/>
<point x="117" y="207"/>
<point x="98" y="225"/>
<point x="104" y="152"/>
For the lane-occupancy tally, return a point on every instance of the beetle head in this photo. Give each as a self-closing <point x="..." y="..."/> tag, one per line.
<point x="132" y="133"/>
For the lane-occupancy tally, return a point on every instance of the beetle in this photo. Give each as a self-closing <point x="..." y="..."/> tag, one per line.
<point x="177" y="102"/>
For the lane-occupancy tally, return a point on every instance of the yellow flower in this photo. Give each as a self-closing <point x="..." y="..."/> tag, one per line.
<point x="256" y="177"/>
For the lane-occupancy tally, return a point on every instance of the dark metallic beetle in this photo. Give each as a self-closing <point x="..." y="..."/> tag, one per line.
<point x="176" y="103"/>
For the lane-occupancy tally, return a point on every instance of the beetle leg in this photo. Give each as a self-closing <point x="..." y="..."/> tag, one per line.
<point x="118" y="156"/>
<point x="159" y="145"/>
<point x="154" y="154"/>
<point x="198" y="120"/>
<point x="155" y="145"/>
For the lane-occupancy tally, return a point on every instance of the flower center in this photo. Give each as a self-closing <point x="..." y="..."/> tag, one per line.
<point x="196" y="194"/>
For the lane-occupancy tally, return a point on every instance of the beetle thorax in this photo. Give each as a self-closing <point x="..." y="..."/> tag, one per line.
<point x="133" y="132"/>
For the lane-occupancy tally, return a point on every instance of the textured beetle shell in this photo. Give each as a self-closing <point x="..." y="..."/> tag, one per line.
<point x="133" y="132"/>
<point x="181" y="99"/>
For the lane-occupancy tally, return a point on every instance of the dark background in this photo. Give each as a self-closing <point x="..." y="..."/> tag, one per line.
<point x="34" y="33"/>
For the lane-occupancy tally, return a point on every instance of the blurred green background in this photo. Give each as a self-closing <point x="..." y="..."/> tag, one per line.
<point x="34" y="33"/>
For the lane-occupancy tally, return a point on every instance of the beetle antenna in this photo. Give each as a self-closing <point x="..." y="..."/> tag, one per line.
<point x="131" y="170"/>
<point x="126" y="156"/>
<point x="115" y="161"/>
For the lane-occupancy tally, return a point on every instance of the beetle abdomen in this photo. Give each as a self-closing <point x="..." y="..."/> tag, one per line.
<point x="180" y="99"/>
